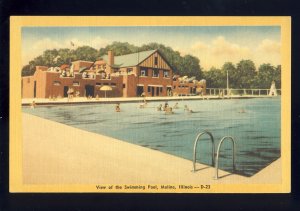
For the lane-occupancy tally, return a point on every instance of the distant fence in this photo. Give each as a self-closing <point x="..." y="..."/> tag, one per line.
<point x="218" y="91"/>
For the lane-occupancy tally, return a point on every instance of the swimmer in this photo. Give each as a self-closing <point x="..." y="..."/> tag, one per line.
<point x="169" y="110"/>
<point x="242" y="111"/>
<point x="186" y="108"/>
<point x="33" y="105"/>
<point x="159" y="108"/>
<point x="175" y="106"/>
<point x="166" y="106"/>
<point x="118" y="109"/>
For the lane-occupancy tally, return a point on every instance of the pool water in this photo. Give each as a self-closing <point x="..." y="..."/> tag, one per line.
<point x="254" y="123"/>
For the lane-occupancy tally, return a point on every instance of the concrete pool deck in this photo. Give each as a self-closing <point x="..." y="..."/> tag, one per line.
<point x="54" y="153"/>
<point x="83" y="100"/>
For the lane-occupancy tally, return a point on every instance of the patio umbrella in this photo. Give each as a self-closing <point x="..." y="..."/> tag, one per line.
<point x="106" y="88"/>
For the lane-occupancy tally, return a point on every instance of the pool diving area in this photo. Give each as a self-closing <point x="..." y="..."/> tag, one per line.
<point x="254" y="123"/>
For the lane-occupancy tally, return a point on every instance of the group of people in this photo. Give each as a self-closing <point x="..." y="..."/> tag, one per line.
<point x="169" y="110"/>
<point x="166" y="108"/>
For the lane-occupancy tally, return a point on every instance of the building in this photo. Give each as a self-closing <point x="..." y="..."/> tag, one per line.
<point x="130" y="75"/>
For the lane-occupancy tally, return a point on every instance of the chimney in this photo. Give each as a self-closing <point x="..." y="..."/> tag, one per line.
<point x="110" y="61"/>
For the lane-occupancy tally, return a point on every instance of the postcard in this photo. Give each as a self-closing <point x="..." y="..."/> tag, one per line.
<point x="150" y="104"/>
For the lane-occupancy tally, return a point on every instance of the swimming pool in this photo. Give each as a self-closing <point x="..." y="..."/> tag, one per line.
<point x="256" y="129"/>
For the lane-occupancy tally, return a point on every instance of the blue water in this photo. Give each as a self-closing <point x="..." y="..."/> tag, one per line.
<point x="256" y="130"/>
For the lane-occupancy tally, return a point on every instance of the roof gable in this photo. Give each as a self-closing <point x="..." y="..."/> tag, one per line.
<point x="132" y="59"/>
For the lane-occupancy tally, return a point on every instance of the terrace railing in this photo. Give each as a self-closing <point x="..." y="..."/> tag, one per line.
<point x="259" y="92"/>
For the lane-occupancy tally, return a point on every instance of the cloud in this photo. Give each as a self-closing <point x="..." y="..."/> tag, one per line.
<point x="199" y="46"/>
<point x="221" y="47"/>
<point x="45" y="43"/>
<point x="39" y="46"/>
<point x="218" y="51"/>
<point x="269" y="46"/>
<point x="96" y="42"/>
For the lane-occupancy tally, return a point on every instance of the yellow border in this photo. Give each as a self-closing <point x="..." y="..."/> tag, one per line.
<point x="15" y="149"/>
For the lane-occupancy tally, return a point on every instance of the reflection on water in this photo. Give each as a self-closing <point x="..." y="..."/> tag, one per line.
<point x="257" y="130"/>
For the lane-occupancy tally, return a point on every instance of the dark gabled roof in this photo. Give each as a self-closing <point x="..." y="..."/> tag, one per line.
<point x="129" y="60"/>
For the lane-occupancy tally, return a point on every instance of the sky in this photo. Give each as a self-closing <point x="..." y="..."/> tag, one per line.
<point x="213" y="45"/>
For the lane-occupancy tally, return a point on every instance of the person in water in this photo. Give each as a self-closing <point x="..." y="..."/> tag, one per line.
<point x="33" y="104"/>
<point x="169" y="110"/>
<point x="159" y="108"/>
<point x="186" y="108"/>
<point x="118" y="109"/>
<point x="175" y="106"/>
<point x="166" y="106"/>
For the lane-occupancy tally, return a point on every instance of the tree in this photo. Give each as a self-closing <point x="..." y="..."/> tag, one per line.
<point x="266" y="74"/>
<point x="119" y="48"/>
<point x="215" y="78"/>
<point x="277" y="76"/>
<point x="243" y="77"/>
<point x="86" y="53"/>
<point x="230" y="68"/>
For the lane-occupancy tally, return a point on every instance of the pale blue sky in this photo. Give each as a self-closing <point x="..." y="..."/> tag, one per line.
<point x="212" y="44"/>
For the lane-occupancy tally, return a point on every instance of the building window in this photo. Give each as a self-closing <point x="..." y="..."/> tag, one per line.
<point x="149" y="88"/>
<point x="160" y="89"/>
<point x="166" y="74"/>
<point x="56" y="83"/>
<point x="155" y="60"/>
<point x="144" y="72"/>
<point x="155" y="73"/>
<point x="105" y="83"/>
<point x="98" y="84"/>
<point x="75" y="83"/>
<point x="124" y="86"/>
<point x="129" y="70"/>
<point x="113" y="84"/>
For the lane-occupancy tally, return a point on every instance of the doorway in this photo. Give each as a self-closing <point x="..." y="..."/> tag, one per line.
<point x="66" y="88"/>
<point x="169" y="91"/>
<point x="152" y="91"/>
<point x="139" y="91"/>
<point x="157" y="91"/>
<point x="89" y="90"/>
<point x="34" y="89"/>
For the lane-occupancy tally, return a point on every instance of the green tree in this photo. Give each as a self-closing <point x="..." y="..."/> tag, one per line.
<point x="266" y="74"/>
<point x="86" y="53"/>
<point x="230" y="68"/>
<point x="277" y="77"/>
<point x="119" y="48"/>
<point x="244" y="75"/>
<point x="215" y="78"/>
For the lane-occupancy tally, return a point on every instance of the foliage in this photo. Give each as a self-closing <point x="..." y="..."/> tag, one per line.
<point x="215" y="78"/>
<point x="119" y="48"/>
<point x="243" y="75"/>
<point x="187" y="65"/>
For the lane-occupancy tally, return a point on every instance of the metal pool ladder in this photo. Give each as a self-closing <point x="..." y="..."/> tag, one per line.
<point x="195" y="147"/>
<point x="215" y="160"/>
<point x="218" y="152"/>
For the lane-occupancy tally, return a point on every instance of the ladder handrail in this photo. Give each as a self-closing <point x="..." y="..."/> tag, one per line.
<point x="218" y="152"/>
<point x="195" y="147"/>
